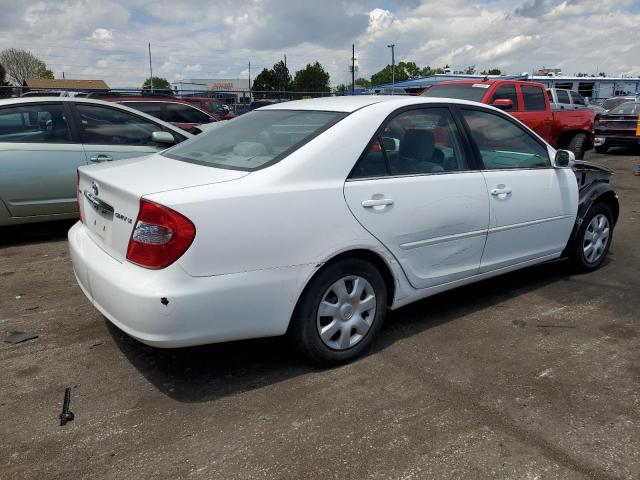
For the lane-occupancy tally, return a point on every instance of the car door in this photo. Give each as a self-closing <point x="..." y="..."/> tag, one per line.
<point x="109" y="133"/>
<point x="416" y="190"/>
<point x="535" y="112"/>
<point x="39" y="156"/>
<point x="533" y="204"/>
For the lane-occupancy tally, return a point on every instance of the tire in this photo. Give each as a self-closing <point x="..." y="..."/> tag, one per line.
<point x="578" y="145"/>
<point x="602" y="148"/>
<point x="582" y="258"/>
<point x="351" y="326"/>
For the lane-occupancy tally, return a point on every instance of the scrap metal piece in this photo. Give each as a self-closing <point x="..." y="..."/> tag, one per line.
<point x="19" y="337"/>
<point x="66" y="415"/>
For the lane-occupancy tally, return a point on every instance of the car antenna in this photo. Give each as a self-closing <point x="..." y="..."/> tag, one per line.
<point x="486" y="77"/>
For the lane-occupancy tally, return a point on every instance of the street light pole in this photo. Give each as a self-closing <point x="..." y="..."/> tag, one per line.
<point x="393" y="68"/>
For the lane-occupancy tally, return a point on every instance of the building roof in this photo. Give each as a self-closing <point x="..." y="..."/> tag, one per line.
<point x="66" y="84"/>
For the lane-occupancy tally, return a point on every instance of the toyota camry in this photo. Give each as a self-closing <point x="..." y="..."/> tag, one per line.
<point x="313" y="218"/>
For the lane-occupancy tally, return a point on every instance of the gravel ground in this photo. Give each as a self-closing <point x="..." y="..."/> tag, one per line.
<point x="530" y="375"/>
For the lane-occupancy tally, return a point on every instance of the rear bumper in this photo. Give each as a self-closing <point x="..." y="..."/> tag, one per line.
<point x="169" y="308"/>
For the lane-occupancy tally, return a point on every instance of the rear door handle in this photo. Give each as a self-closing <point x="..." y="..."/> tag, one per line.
<point x="378" y="202"/>
<point x="101" y="157"/>
<point x="500" y="191"/>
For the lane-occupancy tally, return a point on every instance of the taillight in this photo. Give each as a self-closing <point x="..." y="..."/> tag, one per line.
<point x="79" y="195"/>
<point x="160" y="236"/>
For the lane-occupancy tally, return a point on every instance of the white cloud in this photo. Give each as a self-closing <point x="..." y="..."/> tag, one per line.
<point x="108" y="38"/>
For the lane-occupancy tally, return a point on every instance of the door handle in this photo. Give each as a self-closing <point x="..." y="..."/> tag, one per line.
<point x="500" y="191"/>
<point x="377" y="202"/>
<point x="101" y="157"/>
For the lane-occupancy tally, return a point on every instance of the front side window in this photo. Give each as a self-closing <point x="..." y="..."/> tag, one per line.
<point x="503" y="144"/>
<point x="533" y="98"/>
<point x="578" y="99"/>
<point x="181" y="113"/>
<point x="255" y="140"/>
<point x="414" y="142"/>
<point x="507" y="92"/>
<point x="109" y="126"/>
<point x="34" y="123"/>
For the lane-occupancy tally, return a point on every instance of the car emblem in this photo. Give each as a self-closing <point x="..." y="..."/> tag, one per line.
<point x="94" y="187"/>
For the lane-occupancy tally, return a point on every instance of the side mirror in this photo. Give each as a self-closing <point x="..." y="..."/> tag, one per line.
<point x="564" y="159"/>
<point x="503" y="103"/>
<point x="163" y="137"/>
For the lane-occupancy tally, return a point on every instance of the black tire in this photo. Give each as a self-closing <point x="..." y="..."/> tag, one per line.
<point x="303" y="331"/>
<point x="602" y="148"/>
<point x="578" y="145"/>
<point x="577" y="254"/>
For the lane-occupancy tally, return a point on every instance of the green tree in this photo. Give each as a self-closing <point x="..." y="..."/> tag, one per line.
<point x="20" y="65"/>
<point x="312" y="78"/>
<point x="403" y="71"/>
<point x="340" y="89"/>
<point x="159" y="83"/>
<point x="363" y="82"/>
<point x="491" y="71"/>
<point x="273" y="82"/>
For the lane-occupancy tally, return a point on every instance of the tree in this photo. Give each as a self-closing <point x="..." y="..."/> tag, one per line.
<point x="276" y="80"/>
<point x="340" y="89"/>
<point x="4" y="92"/>
<point x="21" y="65"/>
<point x="159" y="83"/>
<point x="403" y="71"/>
<point x="363" y="82"/>
<point x="491" y="71"/>
<point x="470" y="70"/>
<point x="312" y="78"/>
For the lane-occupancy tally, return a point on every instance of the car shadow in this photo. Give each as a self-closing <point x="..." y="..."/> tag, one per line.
<point x="14" y="235"/>
<point x="206" y="373"/>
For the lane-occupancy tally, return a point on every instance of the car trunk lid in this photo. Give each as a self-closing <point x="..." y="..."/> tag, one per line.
<point x="110" y="193"/>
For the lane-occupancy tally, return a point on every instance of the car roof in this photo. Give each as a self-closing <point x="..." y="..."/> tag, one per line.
<point x="27" y="100"/>
<point x="350" y="104"/>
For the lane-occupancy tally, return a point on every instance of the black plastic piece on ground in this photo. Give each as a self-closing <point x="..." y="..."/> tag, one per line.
<point x="19" y="337"/>
<point x="66" y="415"/>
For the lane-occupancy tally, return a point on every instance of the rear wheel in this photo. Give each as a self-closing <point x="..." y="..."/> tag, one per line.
<point x="339" y="313"/>
<point x="578" y="145"/>
<point x="602" y="148"/>
<point x="593" y="239"/>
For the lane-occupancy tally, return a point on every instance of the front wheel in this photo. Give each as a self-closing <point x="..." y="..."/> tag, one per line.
<point x="593" y="239"/>
<point x="339" y="313"/>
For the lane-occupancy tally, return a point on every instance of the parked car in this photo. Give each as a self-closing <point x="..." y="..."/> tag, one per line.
<point x="528" y="102"/>
<point x="562" y="99"/>
<point x="177" y="112"/>
<point x="613" y="102"/>
<point x="212" y="106"/>
<point x="314" y="217"/>
<point x="43" y="141"/>
<point x="619" y="127"/>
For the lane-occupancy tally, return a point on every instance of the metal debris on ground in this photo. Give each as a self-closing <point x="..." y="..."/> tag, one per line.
<point x="19" y="337"/>
<point x="66" y="415"/>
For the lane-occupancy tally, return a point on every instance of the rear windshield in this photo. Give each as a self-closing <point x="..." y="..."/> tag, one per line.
<point x="255" y="140"/>
<point x="613" y="102"/>
<point x="629" y="108"/>
<point x="463" y="91"/>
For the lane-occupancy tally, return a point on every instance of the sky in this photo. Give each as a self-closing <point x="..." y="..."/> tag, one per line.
<point x="108" y="39"/>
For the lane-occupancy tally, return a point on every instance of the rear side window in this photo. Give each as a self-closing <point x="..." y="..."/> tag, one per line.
<point x="507" y="92"/>
<point x="35" y="123"/>
<point x="533" y="98"/>
<point x="255" y="140"/>
<point x="563" y="96"/>
<point x="464" y="91"/>
<point x="415" y="142"/>
<point x="502" y="144"/>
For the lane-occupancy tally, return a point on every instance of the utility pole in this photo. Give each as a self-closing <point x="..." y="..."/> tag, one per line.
<point x="393" y="68"/>
<point x="249" y="80"/>
<point x="63" y="75"/>
<point x="150" y="69"/>
<point x="353" y="69"/>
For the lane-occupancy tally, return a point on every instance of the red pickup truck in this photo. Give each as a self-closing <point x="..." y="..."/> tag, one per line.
<point x="529" y="103"/>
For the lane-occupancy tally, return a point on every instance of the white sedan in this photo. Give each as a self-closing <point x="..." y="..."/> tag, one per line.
<point x="313" y="218"/>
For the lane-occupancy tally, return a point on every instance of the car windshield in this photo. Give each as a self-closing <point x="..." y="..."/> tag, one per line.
<point x="629" y="108"/>
<point x="463" y="91"/>
<point x="255" y="140"/>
